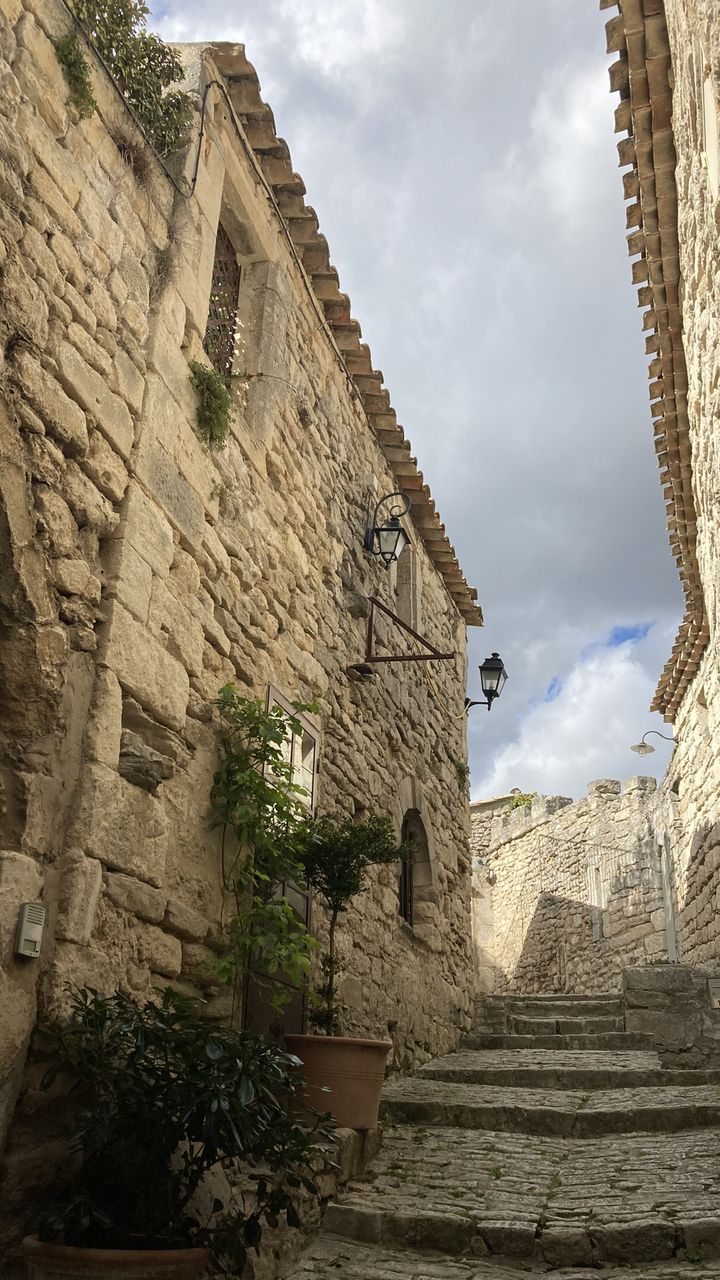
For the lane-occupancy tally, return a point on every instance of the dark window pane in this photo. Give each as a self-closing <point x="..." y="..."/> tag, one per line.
<point x="222" y="318"/>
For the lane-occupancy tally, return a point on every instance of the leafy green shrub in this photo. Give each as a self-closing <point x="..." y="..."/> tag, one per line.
<point x="76" y="70"/>
<point x="255" y="800"/>
<point x="213" y="411"/>
<point x="143" y="66"/>
<point x="519" y="801"/>
<point x="161" y="1098"/>
<point x="335" y="855"/>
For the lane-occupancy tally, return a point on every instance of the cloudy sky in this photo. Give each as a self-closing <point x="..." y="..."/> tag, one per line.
<point x="461" y="158"/>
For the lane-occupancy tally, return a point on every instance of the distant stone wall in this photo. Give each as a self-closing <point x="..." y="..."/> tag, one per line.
<point x="141" y="571"/>
<point x="567" y="895"/>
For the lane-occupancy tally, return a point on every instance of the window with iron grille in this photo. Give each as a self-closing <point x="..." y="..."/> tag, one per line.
<point x="221" y="331"/>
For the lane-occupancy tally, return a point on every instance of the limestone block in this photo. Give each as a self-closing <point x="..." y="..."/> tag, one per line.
<point x="142" y="764"/>
<point x="122" y="825"/>
<point x="185" y="921"/>
<point x="52" y="155"/>
<point x="23" y="304"/>
<point x="48" y="94"/>
<point x="87" y="504"/>
<point x="129" y="578"/>
<point x="53" y="201"/>
<point x="75" y="578"/>
<point x="143" y="667"/>
<point x="133" y="895"/>
<point x="104" y="726"/>
<point x="55" y="520"/>
<point x="183" y="633"/>
<point x="130" y="382"/>
<point x="105" y="468"/>
<point x="164" y="481"/>
<point x="79" y="308"/>
<point x="200" y="965"/>
<point x="90" y="965"/>
<point x="80" y="885"/>
<point x="90" y="389"/>
<point x="89" y="348"/>
<point x="146" y="528"/>
<point x="160" y="951"/>
<point x="106" y="234"/>
<point x="60" y="415"/>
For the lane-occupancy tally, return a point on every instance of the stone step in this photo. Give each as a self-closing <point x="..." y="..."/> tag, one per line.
<point x="548" y="1068"/>
<point x="625" y="1199"/>
<point x="340" y="1259"/>
<point x="608" y="1001"/>
<point x="530" y="1026"/>
<point x="588" y="1040"/>
<point x="665" y="1108"/>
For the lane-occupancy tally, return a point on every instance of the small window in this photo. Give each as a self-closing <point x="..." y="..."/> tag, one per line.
<point x="405" y="905"/>
<point x="415" y="871"/>
<point x="222" y="324"/>
<point x="300" y="750"/>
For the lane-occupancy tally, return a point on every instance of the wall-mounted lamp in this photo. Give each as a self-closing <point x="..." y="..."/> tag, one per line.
<point x="643" y="748"/>
<point x="385" y="536"/>
<point x="492" y="678"/>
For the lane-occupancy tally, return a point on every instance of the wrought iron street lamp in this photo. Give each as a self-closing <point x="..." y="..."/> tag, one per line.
<point x="644" y="748"/>
<point x="492" y="678"/>
<point x="385" y="536"/>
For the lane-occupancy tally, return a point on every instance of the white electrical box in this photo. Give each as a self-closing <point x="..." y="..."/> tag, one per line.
<point x="714" y="991"/>
<point x="28" y="938"/>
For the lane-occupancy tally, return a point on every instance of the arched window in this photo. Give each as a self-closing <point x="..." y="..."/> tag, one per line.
<point x="415" y="871"/>
<point x="221" y="331"/>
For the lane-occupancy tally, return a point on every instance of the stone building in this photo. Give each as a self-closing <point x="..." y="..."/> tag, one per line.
<point x="548" y="921"/>
<point x="667" y="74"/>
<point x="566" y="895"/>
<point x="141" y="570"/>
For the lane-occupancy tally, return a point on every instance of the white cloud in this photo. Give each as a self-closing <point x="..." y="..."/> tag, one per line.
<point x="584" y="733"/>
<point x="554" y="172"/>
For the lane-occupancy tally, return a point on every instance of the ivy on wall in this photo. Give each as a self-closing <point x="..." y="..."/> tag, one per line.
<point x="143" y="66"/>
<point x="76" y="69"/>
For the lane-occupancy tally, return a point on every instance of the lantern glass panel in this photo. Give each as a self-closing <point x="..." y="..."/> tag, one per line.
<point x="391" y="540"/>
<point x="493" y="676"/>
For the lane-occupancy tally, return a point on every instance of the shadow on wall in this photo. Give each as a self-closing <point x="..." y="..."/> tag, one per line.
<point x="697" y="897"/>
<point x="564" y="950"/>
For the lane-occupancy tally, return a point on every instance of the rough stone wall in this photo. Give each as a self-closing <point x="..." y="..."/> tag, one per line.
<point x="689" y="811"/>
<point x="571" y="893"/>
<point x="140" y="572"/>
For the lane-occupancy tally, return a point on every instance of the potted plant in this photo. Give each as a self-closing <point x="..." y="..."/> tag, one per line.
<point x="336" y="853"/>
<point x="163" y="1099"/>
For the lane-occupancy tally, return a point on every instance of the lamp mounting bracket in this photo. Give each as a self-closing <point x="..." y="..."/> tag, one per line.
<point x="431" y="653"/>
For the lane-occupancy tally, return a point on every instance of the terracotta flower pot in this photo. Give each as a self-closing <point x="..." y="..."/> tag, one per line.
<point x="353" y="1071"/>
<point x="65" y="1262"/>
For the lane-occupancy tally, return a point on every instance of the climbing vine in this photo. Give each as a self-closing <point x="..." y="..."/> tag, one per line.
<point x="261" y="813"/>
<point x="143" y="66"/>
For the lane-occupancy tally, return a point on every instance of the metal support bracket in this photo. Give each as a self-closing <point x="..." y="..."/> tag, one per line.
<point x="432" y="654"/>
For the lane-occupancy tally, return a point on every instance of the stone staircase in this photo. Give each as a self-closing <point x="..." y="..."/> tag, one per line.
<point x="552" y="1143"/>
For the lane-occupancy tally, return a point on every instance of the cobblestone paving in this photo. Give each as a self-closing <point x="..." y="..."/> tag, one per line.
<point x="499" y="1164"/>
<point x="332" y="1259"/>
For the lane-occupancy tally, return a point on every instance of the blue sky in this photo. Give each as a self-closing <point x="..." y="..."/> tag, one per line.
<point x="462" y="162"/>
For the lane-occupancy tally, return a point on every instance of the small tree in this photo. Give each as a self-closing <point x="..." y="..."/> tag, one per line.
<point x="262" y="813"/>
<point x="335" y="854"/>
